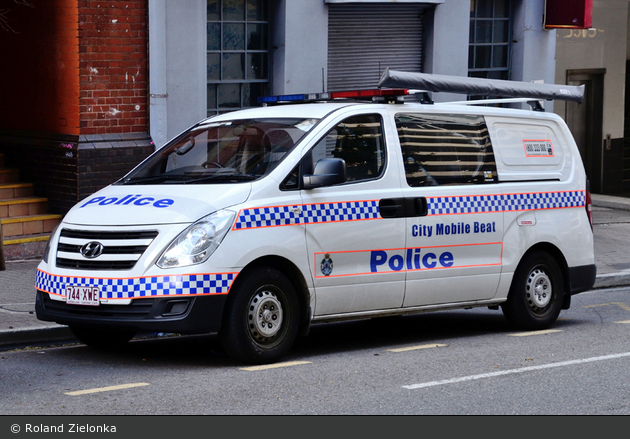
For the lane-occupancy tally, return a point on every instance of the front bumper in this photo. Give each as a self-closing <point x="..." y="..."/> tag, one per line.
<point x="183" y="315"/>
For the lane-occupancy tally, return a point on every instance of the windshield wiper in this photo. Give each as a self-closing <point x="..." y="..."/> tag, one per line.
<point x="224" y="178"/>
<point x="153" y="179"/>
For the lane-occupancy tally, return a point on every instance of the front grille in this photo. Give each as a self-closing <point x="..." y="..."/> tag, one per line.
<point x="121" y="250"/>
<point x="137" y="309"/>
<point x="92" y="235"/>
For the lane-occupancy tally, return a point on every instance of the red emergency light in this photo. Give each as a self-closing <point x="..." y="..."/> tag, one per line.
<point x="568" y="14"/>
<point x="380" y="94"/>
<point x="368" y="93"/>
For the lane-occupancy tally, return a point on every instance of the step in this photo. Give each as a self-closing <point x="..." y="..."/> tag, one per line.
<point x="28" y="247"/>
<point x="23" y="206"/>
<point x="29" y="225"/>
<point x="16" y="190"/>
<point x="8" y="175"/>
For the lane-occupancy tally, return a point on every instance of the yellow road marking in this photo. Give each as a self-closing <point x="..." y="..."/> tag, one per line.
<point x="106" y="389"/>
<point x="276" y="365"/>
<point x="526" y="334"/>
<point x="414" y="348"/>
<point x="619" y="304"/>
<point x="624" y="321"/>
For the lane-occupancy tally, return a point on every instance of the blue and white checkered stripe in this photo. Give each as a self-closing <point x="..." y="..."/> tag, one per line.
<point x="505" y="203"/>
<point x="347" y="211"/>
<point x="470" y="204"/>
<point x="268" y="217"/>
<point x="134" y="288"/>
<point x="544" y="200"/>
<point x="306" y="214"/>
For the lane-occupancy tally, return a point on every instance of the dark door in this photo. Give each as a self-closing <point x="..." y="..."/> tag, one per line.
<point x="585" y="122"/>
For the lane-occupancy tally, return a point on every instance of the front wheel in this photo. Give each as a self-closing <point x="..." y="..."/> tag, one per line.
<point x="261" y="318"/>
<point x="536" y="294"/>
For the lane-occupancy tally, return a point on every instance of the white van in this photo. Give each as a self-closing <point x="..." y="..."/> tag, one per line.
<point x="257" y="223"/>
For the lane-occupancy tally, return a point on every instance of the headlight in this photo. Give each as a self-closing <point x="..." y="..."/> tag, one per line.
<point x="48" y="243"/>
<point x="195" y="244"/>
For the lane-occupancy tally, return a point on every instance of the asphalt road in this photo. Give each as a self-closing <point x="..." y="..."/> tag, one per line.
<point x="466" y="362"/>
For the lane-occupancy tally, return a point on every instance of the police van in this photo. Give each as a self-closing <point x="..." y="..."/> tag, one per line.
<point x="257" y="223"/>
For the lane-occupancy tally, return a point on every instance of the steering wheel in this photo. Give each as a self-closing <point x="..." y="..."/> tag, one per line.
<point x="208" y="163"/>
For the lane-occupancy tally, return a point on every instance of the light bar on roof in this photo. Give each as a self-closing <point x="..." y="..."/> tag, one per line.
<point x="376" y="94"/>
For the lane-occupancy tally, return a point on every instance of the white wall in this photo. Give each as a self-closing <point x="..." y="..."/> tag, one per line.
<point x="177" y="57"/>
<point x="533" y="47"/>
<point x="446" y="42"/>
<point x="299" y="46"/>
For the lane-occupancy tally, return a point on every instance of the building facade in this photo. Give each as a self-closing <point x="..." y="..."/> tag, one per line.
<point x="598" y="58"/>
<point x="94" y="86"/>
<point x="211" y="56"/>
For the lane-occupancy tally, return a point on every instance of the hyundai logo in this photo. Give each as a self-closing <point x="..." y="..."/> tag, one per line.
<point x="92" y="250"/>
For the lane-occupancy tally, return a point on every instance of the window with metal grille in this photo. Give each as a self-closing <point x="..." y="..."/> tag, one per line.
<point x="366" y="38"/>
<point x="237" y="53"/>
<point x="489" y="45"/>
<point x="446" y="149"/>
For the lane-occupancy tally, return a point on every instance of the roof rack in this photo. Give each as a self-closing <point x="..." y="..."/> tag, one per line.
<point x="481" y="87"/>
<point x="533" y="103"/>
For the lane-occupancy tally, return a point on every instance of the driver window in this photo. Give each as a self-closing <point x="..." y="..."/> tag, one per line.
<point x="359" y="141"/>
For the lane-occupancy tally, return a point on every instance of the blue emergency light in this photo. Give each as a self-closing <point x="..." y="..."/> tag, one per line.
<point x="376" y="94"/>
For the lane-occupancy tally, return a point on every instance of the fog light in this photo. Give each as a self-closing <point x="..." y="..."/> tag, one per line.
<point x="175" y="307"/>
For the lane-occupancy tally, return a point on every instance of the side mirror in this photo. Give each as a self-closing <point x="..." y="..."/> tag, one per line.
<point x="327" y="173"/>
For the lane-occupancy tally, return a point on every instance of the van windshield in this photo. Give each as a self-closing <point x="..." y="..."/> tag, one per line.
<point x="222" y="152"/>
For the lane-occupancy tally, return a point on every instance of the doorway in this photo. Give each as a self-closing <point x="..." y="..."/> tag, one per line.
<point x="585" y="122"/>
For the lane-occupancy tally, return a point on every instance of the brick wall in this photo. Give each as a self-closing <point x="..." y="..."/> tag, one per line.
<point x="75" y="117"/>
<point x="113" y="66"/>
<point x="39" y="72"/>
<point x="105" y="158"/>
<point x="66" y="169"/>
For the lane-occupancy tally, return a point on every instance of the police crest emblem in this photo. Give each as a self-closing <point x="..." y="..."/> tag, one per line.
<point x="326" y="265"/>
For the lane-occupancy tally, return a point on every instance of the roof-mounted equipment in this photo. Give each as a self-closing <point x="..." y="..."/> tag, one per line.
<point x="481" y="87"/>
<point x="375" y="95"/>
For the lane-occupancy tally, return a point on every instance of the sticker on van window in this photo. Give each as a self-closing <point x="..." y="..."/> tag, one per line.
<point x="538" y="148"/>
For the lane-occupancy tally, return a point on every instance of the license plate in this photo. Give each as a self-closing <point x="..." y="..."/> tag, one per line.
<point x="76" y="295"/>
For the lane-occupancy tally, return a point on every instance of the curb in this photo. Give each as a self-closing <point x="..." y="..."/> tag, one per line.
<point x="17" y="337"/>
<point x="619" y="279"/>
<point x="610" y="202"/>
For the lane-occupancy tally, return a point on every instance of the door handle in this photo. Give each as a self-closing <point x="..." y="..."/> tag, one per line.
<point x="392" y="208"/>
<point x="402" y="207"/>
<point x="420" y="206"/>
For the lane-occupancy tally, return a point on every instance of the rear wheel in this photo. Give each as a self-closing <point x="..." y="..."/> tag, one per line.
<point x="102" y="338"/>
<point x="261" y="319"/>
<point x="536" y="294"/>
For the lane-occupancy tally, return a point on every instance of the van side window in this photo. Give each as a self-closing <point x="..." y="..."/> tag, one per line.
<point x="359" y="141"/>
<point x="446" y="149"/>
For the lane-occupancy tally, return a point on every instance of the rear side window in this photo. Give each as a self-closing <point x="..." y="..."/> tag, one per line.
<point x="446" y="149"/>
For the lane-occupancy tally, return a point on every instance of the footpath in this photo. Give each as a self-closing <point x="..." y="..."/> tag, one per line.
<point x="19" y="325"/>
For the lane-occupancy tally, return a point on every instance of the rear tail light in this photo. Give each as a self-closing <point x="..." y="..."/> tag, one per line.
<point x="589" y="208"/>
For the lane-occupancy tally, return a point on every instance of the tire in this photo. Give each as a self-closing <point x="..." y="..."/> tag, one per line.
<point x="536" y="294"/>
<point x="261" y="319"/>
<point x="102" y="338"/>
